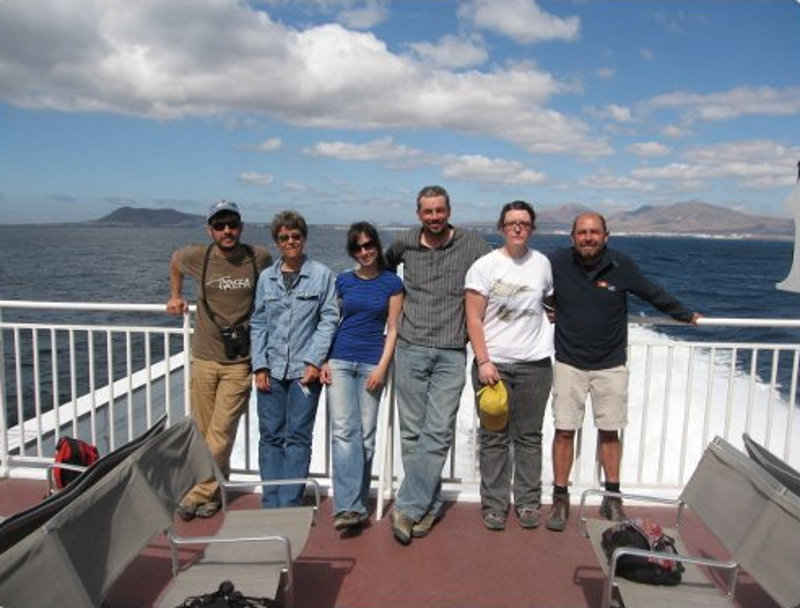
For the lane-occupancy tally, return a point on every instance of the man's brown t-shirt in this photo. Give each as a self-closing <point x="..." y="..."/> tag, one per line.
<point x="229" y="289"/>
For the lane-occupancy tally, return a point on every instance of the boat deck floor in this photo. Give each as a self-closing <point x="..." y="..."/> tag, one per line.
<point x="460" y="564"/>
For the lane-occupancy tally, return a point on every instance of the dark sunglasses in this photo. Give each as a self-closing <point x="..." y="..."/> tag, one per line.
<point x="366" y="246"/>
<point x="219" y="226"/>
<point x="294" y="236"/>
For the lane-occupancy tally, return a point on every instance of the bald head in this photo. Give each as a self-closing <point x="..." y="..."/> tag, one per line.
<point x="589" y="214"/>
<point x="589" y="236"/>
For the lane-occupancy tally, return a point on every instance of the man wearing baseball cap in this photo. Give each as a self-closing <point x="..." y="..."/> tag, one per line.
<point x="225" y="274"/>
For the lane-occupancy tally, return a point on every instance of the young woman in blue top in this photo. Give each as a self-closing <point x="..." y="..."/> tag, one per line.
<point x="370" y="299"/>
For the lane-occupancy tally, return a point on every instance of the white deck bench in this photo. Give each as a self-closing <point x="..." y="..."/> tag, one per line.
<point x="751" y="513"/>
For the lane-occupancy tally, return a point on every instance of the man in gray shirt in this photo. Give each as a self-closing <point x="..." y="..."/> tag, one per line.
<point x="430" y="358"/>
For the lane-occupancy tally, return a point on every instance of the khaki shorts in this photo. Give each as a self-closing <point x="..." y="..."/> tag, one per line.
<point x="608" y="389"/>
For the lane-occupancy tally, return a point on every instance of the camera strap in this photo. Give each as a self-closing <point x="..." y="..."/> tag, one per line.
<point x="252" y="257"/>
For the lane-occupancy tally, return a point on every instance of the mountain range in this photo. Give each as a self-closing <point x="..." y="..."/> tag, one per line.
<point x="686" y="218"/>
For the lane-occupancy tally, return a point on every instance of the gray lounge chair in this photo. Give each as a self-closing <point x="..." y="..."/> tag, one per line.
<point x="747" y="509"/>
<point x="96" y="527"/>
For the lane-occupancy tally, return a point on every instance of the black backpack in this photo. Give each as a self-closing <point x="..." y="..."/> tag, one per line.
<point x="643" y="534"/>
<point x="226" y="596"/>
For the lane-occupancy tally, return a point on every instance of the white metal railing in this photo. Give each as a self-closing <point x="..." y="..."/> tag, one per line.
<point x="107" y="380"/>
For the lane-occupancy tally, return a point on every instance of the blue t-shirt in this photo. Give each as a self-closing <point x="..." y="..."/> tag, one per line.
<point x="364" y="306"/>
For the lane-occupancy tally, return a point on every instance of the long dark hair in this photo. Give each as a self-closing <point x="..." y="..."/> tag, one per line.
<point x="359" y="228"/>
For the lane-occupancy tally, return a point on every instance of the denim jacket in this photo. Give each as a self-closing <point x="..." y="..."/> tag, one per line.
<point x="289" y="329"/>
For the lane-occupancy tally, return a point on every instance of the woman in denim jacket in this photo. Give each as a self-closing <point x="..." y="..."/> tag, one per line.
<point x="292" y="326"/>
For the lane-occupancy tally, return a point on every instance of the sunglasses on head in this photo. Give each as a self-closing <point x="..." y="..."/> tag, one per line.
<point x="219" y="225"/>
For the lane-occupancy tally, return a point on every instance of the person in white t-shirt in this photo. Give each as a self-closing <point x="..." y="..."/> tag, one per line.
<point x="512" y="340"/>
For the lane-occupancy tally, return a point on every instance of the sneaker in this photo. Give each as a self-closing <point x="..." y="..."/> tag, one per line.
<point x="207" y="509"/>
<point x="559" y="513"/>
<point x="347" y="520"/>
<point x="186" y="511"/>
<point x="494" y="520"/>
<point x="402" y="525"/>
<point x="611" y="509"/>
<point x="424" y="526"/>
<point x="528" y="516"/>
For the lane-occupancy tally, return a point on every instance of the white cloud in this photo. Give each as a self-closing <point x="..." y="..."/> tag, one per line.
<point x="123" y="57"/>
<point x="371" y="13"/>
<point x="467" y="167"/>
<point x="674" y="131"/>
<point x="613" y="111"/>
<point x="730" y="104"/>
<point x="270" y="145"/>
<point x="256" y="179"/>
<point x="649" y="148"/>
<point x="619" y="113"/>
<point x="453" y="52"/>
<point x="606" y="73"/>
<point x="378" y="149"/>
<point x="491" y="170"/>
<point x="521" y="20"/>
<point x="607" y="181"/>
<point x="752" y="164"/>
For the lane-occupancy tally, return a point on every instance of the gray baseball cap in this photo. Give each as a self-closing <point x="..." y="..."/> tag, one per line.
<point x="220" y="206"/>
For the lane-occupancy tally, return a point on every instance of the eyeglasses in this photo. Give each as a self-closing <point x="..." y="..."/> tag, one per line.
<point x="219" y="226"/>
<point x="290" y="236"/>
<point x="365" y="246"/>
<point x="517" y="225"/>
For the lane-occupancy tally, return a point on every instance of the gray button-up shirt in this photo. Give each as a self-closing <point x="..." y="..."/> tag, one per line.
<point x="433" y="310"/>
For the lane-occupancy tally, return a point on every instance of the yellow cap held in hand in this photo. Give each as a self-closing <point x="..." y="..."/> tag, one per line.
<point x="493" y="406"/>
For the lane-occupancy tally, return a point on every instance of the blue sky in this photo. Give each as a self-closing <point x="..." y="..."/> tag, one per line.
<point x="343" y="109"/>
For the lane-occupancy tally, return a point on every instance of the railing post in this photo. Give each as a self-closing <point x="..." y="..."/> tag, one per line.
<point x="4" y="468"/>
<point x="187" y="365"/>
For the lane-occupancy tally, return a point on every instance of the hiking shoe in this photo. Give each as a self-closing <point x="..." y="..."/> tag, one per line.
<point x="347" y="520"/>
<point x="402" y="525"/>
<point x="424" y="526"/>
<point x="207" y="509"/>
<point x="559" y="513"/>
<point x="611" y="509"/>
<point x="528" y="516"/>
<point x="186" y="511"/>
<point x="494" y="520"/>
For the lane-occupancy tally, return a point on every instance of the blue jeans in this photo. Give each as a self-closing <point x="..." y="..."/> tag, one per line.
<point x="353" y="412"/>
<point x="286" y="424"/>
<point x="429" y="382"/>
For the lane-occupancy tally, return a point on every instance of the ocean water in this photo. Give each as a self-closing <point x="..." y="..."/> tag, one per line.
<point x="84" y="263"/>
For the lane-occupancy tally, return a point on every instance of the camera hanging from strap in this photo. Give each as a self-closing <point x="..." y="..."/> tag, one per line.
<point x="235" y="338"/>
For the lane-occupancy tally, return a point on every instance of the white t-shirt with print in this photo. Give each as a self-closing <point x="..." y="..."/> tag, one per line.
<point x="515" y="326"/>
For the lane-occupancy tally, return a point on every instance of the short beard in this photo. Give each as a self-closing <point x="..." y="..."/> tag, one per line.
<point x="228" y="249"/>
